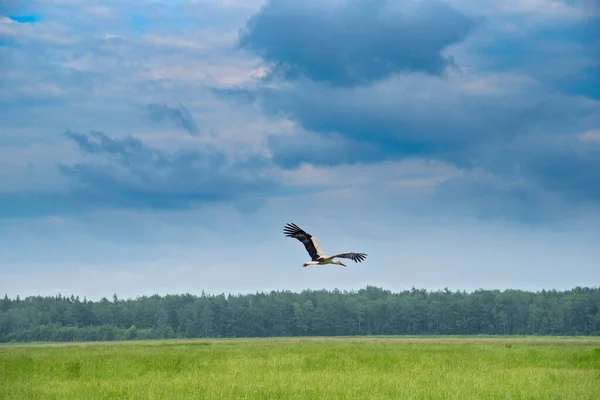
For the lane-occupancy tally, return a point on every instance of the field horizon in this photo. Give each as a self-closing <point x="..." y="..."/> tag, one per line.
<point x="530" y="339"/>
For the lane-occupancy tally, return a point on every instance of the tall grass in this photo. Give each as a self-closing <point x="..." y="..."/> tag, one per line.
<point x="314" y="368"/>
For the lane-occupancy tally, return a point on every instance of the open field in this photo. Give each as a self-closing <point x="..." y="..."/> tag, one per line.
<point x="316" y="368"/>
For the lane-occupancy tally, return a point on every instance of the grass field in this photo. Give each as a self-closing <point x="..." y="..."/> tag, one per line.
<point x="314" y="368"/>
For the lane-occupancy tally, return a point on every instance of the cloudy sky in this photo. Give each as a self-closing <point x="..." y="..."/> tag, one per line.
<point x="161" y="146"/>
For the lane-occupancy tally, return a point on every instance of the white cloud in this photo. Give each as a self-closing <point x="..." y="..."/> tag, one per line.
<point x="541" y="8"/>
<point x="100" y="12"/>
<point x="408" y="173"/>
<point x="590" y="136"/>
<point x="199" y="41"/>
<point x="533" y="9"/>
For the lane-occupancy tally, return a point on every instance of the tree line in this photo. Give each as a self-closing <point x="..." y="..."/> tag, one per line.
<point x="369" y="311"/>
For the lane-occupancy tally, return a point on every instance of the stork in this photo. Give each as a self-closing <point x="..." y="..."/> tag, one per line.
<point x="315" y="252"/>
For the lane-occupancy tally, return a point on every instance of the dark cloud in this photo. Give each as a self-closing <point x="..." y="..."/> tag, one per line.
<point x="239" y="95"/>
<point x="511" y="126"/>
<point x="584" y="81"/>
<point x="292" y="150"/>
<point x="513" y="137"/>
<point x="98" y="142"/>
<point x="180" y="116"/>
<point x="426" y="118"/>
<point x="562" y="54"/>
<point x="565" y="164"/>
<point x="531" y="180"/>
<point x="355" y="42"/>
<point x="128" y="173"/>
<point x="491" y="197"/>
<point x="143" y="174"/>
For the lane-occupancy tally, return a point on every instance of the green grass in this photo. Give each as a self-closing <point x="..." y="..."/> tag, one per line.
<point x="315" y="368"/>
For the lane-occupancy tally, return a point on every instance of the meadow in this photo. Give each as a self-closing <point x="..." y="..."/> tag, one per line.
<point x="306" y="368"/>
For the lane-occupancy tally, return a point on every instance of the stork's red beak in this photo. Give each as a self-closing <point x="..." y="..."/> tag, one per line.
<point x="343" y="265"/>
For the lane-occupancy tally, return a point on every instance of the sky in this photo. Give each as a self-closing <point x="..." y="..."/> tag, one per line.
<point x="159" y="147"/>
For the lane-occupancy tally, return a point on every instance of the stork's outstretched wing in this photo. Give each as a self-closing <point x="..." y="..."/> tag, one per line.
<point x="309" y="242"/>
<point x="356" y="257"/>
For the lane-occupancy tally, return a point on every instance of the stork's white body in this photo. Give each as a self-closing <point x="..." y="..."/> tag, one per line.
<point x="323" y="262"/>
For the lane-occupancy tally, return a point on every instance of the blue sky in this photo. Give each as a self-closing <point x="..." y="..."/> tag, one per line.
<point x="160" y="147"/>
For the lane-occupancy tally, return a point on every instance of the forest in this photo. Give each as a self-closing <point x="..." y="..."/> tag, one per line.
<point x="368" y="311"/>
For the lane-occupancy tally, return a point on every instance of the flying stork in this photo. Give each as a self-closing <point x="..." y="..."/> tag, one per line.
<point x="313" y="249"/>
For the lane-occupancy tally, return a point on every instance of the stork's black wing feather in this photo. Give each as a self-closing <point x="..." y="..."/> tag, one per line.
<point x="309" y="242"/>
<point x="356" y="257"/>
